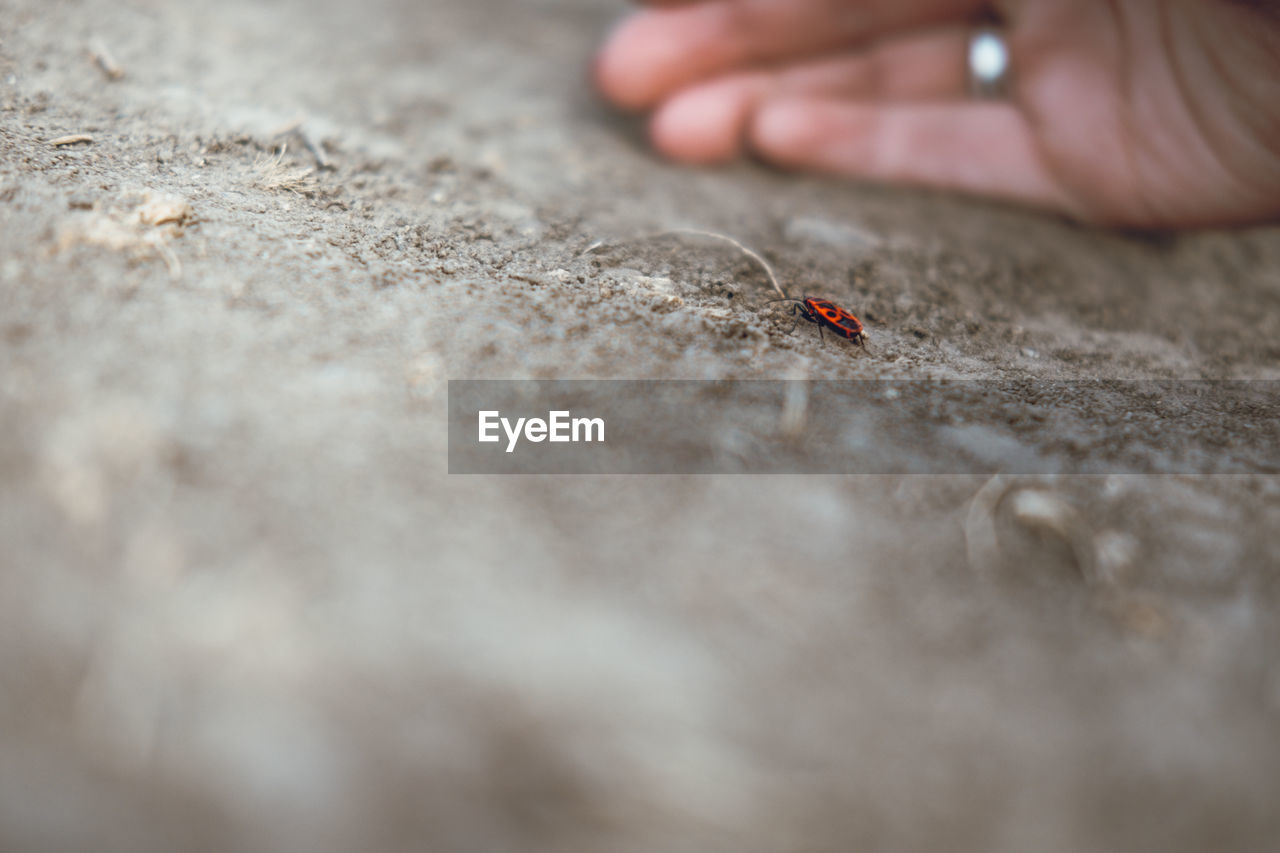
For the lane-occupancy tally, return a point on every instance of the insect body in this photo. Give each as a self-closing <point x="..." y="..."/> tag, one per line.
<point x="826" y="315"/>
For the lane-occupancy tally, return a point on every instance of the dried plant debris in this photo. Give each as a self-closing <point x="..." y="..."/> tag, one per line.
<point x="164" y="210"/>
<point x="105" y="61"/>
<point x="71" y="139"/>
<point x="297" y="130"/>
<point x="143" y="231"/>
<point x="270" y="173"/>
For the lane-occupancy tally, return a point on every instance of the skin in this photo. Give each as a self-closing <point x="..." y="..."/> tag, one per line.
<point x="1140" y="113"/>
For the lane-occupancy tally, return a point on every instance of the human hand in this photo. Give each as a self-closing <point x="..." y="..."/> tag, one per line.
<point x="1132" y="112"/>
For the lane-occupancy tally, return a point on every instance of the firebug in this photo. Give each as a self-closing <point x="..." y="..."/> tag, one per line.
<point x="826" y="315"/>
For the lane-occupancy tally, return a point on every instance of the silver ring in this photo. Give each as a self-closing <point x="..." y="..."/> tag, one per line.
<point x="988" y="63"/>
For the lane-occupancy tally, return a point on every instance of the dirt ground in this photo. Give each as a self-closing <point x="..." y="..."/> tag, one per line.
<point x="244" y="607"/>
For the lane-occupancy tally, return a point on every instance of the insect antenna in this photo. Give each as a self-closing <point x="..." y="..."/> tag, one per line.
<point x="794" y="312"/>
<point x="675" y="232"/>
<point x="755" y="256"/>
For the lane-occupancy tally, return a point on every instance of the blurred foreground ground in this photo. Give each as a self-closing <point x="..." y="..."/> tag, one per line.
<point x="243" y="607"/>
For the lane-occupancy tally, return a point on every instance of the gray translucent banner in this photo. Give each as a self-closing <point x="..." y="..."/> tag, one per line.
<point x="851" y="427"/>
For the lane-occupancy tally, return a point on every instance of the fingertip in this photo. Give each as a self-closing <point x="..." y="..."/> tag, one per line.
<point x="703" y="126"/>
<point x="624" y="68"/>
<point x="785" y="132"/>
<point x="656" y="52"/>
<point x="979" y="148"/>
<point x="614" y="82"/>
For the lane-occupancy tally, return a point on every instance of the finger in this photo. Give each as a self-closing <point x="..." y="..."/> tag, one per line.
<point x="980" y="148"/>
<point x="706" y="123"/>
<point x="657" y="51"/>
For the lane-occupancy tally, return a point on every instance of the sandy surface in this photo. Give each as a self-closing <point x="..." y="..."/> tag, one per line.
<point x="243" y="606"/>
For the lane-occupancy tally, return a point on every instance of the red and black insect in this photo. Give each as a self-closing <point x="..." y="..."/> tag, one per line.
<point x="825" y="315"/>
